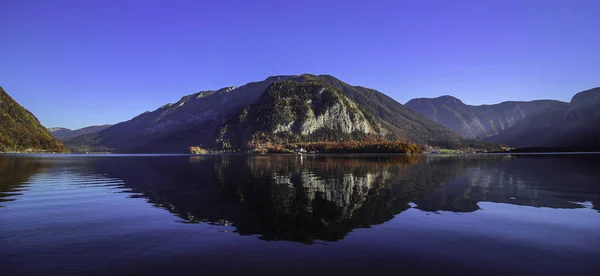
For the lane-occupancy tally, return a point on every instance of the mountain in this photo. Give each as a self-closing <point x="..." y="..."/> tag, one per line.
<point x="279" y="108"/>
<point x="193" y="120"/>
<point x="21" y="131"/>
<point x="66" y="134"/>
<point x="542" y="123"/>
<point x="479" y="122"/>
<point x="575" y="125"/>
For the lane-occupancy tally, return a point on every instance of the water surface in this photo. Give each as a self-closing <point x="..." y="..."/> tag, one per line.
<point x="166" y="215"/>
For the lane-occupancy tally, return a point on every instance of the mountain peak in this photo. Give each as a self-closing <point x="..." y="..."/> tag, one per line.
<point x="448" y="99"/>
<point x="55" y="129"/>
<point x="590" y="96"/>
<point x="280" y="77"/>
<point x="64" y="134"/>
<point x="441" y="100"/>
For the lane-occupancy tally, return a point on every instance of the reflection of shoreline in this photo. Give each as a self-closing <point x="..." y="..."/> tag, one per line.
<point x="532" y="180"/>
<point x="15" y="172"/>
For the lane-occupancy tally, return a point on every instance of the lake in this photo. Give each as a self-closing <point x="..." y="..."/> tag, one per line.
<point x="299" y="215"/>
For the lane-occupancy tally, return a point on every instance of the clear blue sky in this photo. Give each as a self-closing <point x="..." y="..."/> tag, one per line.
<point x="78" y="63"/>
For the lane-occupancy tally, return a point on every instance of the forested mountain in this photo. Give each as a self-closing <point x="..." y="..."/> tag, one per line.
<point x="482" y="121"/>
<point x="66" y="134"/>
<point x="21" y="131"/>
<point x="275" y="110"/>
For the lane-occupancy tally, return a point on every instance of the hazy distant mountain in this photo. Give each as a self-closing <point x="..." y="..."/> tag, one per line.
<point x="543" y="123"/>
<point x="304" y="107"/>
<point x="66" y="134"/>
<point x="478" y="122"/>
<point x="21" y="131"/>
<point x="575" y="125"/>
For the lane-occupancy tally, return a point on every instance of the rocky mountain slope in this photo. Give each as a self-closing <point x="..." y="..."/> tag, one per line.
<point x="574" y="126"/>
<point x="193" y="120"/>
<point x="66" y="134"/>
<point x="304" y="107"/>
<point x="478" y="122"/>
<point x="21" y="131"/>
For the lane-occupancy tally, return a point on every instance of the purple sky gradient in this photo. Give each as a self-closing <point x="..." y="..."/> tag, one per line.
<point x="78" y="63"/>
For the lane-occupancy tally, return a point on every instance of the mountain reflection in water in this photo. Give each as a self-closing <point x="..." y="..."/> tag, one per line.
<point x="324" y="198"/>
<point x="145" y="214"/>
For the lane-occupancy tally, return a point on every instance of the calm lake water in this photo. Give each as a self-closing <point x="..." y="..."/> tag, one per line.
<point x="286" y="215"/>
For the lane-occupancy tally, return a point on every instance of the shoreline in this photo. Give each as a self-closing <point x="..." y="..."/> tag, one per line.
<point x="289" y="154"/>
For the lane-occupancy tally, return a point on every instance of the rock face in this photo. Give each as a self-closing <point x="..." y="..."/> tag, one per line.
<point x="478" y="122"/>
<point x="304" y="107"/>
<point x="21" y="131"/>
<point x="395" y="117"/>
<point x="65" y="134"/>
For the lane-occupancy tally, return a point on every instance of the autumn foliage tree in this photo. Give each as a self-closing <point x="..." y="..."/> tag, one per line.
<point x="197" y="150"/>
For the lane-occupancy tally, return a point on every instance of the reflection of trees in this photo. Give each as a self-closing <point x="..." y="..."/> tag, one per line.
<point x="316" y="198"/>
<point x="15" y="171"/>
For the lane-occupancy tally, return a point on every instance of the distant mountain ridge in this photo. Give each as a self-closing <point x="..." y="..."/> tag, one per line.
<point x="20" y="130"/>
<point x="304" y="107"/>
<point x="478" y="122"/>
<point x="64" y="134"/>
<point x="541" y="123"/>
<point x="575" y="125"/>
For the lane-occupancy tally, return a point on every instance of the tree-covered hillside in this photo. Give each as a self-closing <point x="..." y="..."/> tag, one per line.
<point x="21" y="131"/>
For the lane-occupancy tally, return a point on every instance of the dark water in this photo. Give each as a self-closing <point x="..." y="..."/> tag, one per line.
<point x="284" y="215"/>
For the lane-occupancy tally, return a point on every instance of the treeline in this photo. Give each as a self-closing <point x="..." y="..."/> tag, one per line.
<point x="549" y="150"/>
<point x="322" y="141"/>
<point x="29" y="143"/>
<point x="372" y="146"/>
<point x="19" y="138"/>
